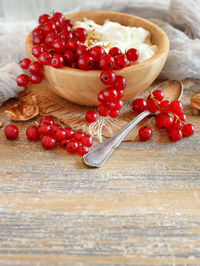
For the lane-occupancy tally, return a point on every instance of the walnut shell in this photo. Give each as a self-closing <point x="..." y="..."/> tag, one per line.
<point x="24" y="110"/>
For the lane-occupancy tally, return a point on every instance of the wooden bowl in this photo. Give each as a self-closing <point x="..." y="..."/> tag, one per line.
<point x="82" y="87"/>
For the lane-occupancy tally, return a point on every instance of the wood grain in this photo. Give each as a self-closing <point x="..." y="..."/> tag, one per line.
<point x="77" y="86"/>
<point x="142" y="207"/>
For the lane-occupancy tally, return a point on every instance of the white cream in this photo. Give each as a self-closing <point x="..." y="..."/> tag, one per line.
<point x="113" y="34"/>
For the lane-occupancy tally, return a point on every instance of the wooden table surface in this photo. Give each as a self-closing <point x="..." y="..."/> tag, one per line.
<point x="142" y="207"/>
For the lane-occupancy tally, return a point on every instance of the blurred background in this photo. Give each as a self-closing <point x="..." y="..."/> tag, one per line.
<point x="20" y="10"/>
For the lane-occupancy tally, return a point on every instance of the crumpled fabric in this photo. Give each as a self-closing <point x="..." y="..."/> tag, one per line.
<point x="179" y="19"/>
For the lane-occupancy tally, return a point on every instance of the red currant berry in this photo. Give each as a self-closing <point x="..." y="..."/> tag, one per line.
<point x="159" y="120"/>
<point x="32" y="133"/>
<point x="80" y="34"/>
<point x="24" y="64"/>
<point x="175" y="134"/>
<point x="11" y="132"/>
<point x="57" y="61"/>
<point x="66" y="27"/>
<point x="66" y="35"/>
<point x="38" y="39"/>
<point x="114" y="51"/>
<point x="106" y="62"/>
<point x="67" y="22"/>
<point x="176" y="124"/>
<point x="164" y="106"/>
<point x="151" y="106"/>
<point x="36" y="78"/>
<point x="103" y="110"/>
<point x="100" y="97"/>
<point x="37" y="31"/>
<point x="120" y="94"/>
<point x="81" y="50"/>
<point x="107" y="77"/>
<point x="48" y="27"/>
<point x="72" y="44"/>
<point x="114" y="113"/>
<point x="78" y="136"/>
<point x="167" y="120"/>
<point x="69" y="56"/>
<point x="109" y="94"/>
<point x="59" y="16"/>
<point x="87" y="141"/>
<point x="45" y="129"/>
<point x="158" y="94"/>
<point x="145" y="133"/>
<point x="69" y="132"/>
<point x="47" y="120"/>
<point x="96" y="53"/>
<point x="48" y="142"/>
<point x="45" y="58"/>
<point x="63" y="143"/>
<point x="139" y="105"/>
<point x="188" y="130"/>
<point x="37" y="50"/>
<point x="72" y="146"/>
<point x="120" y="83"/>
<point x="91" y="116"/>
<point x="85" y="62"/>
<point x="176" y="107"/>
<point x="35" y="67"/>
<point x="60" y="134"/>
<point x="183" y="117"/>
<point x="50" y="38"/>
<point x="115" y="105"/>
<point x="120" y="62"/>
<point x="59" y="45"/>
<point x="132" y="54"/>
<point x="82" y="150"/>
<point x="44" y="18"/>
<point x="23" y="80"/>
<point x="55" y="127"/>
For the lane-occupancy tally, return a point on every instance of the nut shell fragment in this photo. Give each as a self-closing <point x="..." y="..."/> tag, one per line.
<point x="195" y="104"/>
<point x="24" y="110"/>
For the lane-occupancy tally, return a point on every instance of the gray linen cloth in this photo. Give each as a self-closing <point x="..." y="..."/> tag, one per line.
<point x="179" y="19"/>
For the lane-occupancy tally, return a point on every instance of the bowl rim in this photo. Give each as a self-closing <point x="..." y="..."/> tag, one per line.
<point x="163" y="47"/>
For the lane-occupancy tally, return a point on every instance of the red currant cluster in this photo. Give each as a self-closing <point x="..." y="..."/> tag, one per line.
<point x="34" y="73"/>
<point x="49" y="133"/>
<point x="170" y="116"/>
<point x="110" y="97"/>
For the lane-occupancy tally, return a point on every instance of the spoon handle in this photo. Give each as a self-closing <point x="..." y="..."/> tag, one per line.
<point x="98" y="156"/>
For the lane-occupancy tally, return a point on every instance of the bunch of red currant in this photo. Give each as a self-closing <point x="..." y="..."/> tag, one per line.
<point x="50" y="133"/>
<point x="34" y="73"/>
<point x="110" y="97"/>
<point x="56" y="43"/>
<point x="169" y="115"/>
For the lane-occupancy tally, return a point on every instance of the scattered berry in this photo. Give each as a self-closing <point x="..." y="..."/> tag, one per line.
<point x="91" y="116"/>
<point x="32" y="133"/>
<point x="48" y="142"/>
<point x="11" y="132"/>
<point x="145" y="133"/>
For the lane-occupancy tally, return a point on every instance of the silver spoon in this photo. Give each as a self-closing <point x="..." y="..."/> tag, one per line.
<point x="98" y="156"/>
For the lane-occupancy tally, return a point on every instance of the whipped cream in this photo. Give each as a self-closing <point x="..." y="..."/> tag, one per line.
<point x="112" y="34"/>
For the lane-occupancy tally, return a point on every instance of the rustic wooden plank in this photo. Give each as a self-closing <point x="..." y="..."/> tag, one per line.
<point x="142" y="207"/>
